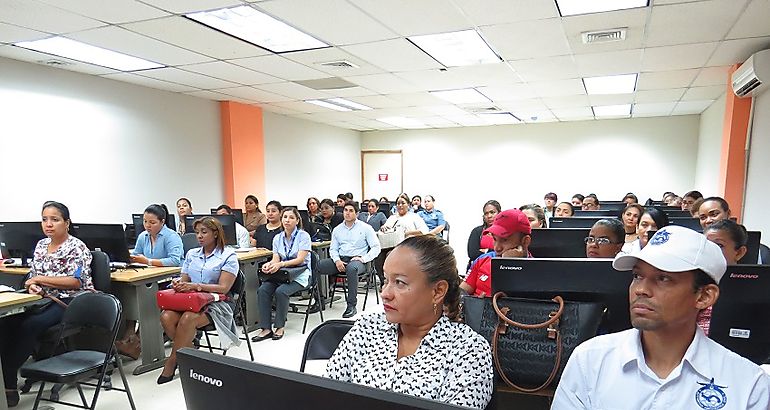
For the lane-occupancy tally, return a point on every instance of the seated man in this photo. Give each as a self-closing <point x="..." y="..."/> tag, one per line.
<point x="665" y="360"/>
<point x="241" y="234"/>
<point x="354" y="243"/>
<point x="512" y="234"/>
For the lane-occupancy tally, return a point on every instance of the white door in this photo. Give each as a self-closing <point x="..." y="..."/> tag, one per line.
<point x="382" y="174"/>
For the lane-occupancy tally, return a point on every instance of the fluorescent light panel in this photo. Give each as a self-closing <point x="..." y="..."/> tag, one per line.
<point x="349" y="104"/>
<point x="458" y="48"/>
<point x="620" y="110"/>
<point x="499" y="118"/>
<point x="402" y="122"/>
<point x="250" y="24"/>
<point x="574" y="7"/>
<point x="75" y="50"/>
<point x="611" y="84"/>
<point x="463" y="96"/>
<point x="322" y="103"/>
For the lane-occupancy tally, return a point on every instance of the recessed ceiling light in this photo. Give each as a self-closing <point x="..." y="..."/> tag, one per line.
<point x="322" y="103"/>
<point x="250" y="24"/>
<point x="463" y="96"/>
<point x="347" y="103"/>
<point x="573" y="7"/>
<point x="458" y="48"/>
<point x="620" y="110"/>
<point x="402" y="122"/>
<point x="611" y="84"/>
<point x="499" y="118"/>
<point x="86" y="53"/>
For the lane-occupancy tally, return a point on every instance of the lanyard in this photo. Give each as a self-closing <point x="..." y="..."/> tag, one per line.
<point x="286" y="249"/>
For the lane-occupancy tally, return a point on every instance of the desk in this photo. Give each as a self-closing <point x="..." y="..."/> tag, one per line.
<point x="136" y="289"/>
<point x="249" y="263"/>
<point x="12" y="276"/>
<point x="12" y="304"/>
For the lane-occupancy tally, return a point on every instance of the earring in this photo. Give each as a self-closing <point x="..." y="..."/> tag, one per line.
<point x="435" y="309"/>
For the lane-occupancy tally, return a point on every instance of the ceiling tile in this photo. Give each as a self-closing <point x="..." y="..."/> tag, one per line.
<point x="252" y="94"/>
<point x="307" y="16"/>
<point x="416" y="99"/>
<point x="532" y="117"/>
<point x="571" y="101"/>
<point x="528" y="39"/>
<point x="196" y="37"/>
<point x="150" y="82"/>
<point x="712" y="76"/>
<point x="655" y="96"/>
<point x="461" y="77"/>
<point x="13" y="34"/>
<point x="210" y="95"/>
<point x="691" y="107"/>
<point x="230" y="72"/>
<point x="609" y="63"/>
<point x="558" y="88"/>
<point x="531" y="105"/>
<point x="632" y="19"/>
<point x="753" y="22"/>
<point x="42" y="17"/>
<point x="445" y="110"/>
<point x="437" y="122"/>
<point x="314" y="58"/>
<point x="409" y="17"/>
<point x="697" y="22"/>
<point x="491" y="12"/>
<point x="293" y="90"/>
<point x="376" y="101"/>
<point x="508" y="93"/>
<point x="280" y="67"/>
<point x="117" y="11"/>
<point x="383" y="83"/>
<point x="611" y="99"/>
<point x="737" y="51"/>
<point x="350" y="92"/>
<point x="570" y="114"/>
<point x="704" y="93"/>
<point x="394" y="55"/>
<point x="652" y="109"/>
<point x="189" y="6"/>
<point x="300" y="107"/>
<point x="677" y="57"/>
<point x="660" y="80"/>
<point x="546" y="68"/>
<point x="178" y="76"/>
<point x="274" y="108"/>
<point x="22" y="54"/>
<point x="124" y="41"/>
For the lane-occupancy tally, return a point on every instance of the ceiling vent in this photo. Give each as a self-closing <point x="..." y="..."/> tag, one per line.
<point x="482" y="109"/>
<point x="604" y="36"/>
<point x="341" y="64"/>
<point x="331" y="83"/>
<point x="55" y="62"/>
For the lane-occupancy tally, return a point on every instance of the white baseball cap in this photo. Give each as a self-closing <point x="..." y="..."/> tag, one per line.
<point x="677" y="249"/>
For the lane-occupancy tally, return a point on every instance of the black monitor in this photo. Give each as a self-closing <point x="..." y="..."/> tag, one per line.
<point x="385" y="208"/>
<point x="688" y="222"/>
<point x="752" y="249"/>
<point x="558" y="243"/>
<point x="211" y="381"/>
<point x="574" y="221"/>
<point x="606" y="213"/>
<point x="108" y="238"/>
<point x="19" y="239"/>
<point x="677" y="213"/>
<point x="582" y="280"/>
<point x="338" y="209"/>
<point x="615" y="206"/>
<point x="237" y="214"/>
<point x="227" y="221"/>
<point x="738" y="321"/>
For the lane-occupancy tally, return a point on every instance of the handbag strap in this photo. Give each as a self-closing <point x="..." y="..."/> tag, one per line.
<point x="503" y="317"/>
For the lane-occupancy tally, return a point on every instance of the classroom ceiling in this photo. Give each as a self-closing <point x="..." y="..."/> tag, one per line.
<point x="681" y="50"/>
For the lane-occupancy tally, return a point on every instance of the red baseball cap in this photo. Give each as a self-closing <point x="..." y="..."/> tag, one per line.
<point x="508" y="222"/>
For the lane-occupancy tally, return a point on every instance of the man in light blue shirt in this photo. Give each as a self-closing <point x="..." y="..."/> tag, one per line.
<point x="354" y="244"/>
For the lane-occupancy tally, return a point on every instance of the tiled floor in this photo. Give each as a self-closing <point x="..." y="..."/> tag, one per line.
<point x="285" y="353"/>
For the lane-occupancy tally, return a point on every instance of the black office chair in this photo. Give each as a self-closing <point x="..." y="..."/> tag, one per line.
<point x="239" y="294"/>
<point x="324" y="339"/>
<point x="88" y="311"/>
<point x="764" y="254"/>
<point x="189" y="241"/>
<point x="370" y="280"/>
<point x="313" y="290"/>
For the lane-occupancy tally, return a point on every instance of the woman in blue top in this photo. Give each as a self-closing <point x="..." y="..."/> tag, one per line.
<point x="291" y="249"/>
<point x="157" y="245"/>
<point x="433" y="218"/>
<point x="211" y="268"/>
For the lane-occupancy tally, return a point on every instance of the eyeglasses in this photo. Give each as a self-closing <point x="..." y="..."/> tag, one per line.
<point x="599" y="241"/>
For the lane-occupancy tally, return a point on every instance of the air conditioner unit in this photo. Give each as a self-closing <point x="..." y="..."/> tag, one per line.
<point x="753" y="76"/>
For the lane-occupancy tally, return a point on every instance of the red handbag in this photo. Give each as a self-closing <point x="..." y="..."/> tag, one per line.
<point x="186" y="302"/>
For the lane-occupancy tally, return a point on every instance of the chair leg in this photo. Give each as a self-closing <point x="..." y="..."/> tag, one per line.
<point x="125" y="382"/>
<point x="39" y="395"/>
<point x="318" y="295"/>
<point x="208" y="342"/>
<point x="334" y="290"/>
<point x="307" y="310"/>
<point x="83" y="397"/>
<point x="246" y="336"/>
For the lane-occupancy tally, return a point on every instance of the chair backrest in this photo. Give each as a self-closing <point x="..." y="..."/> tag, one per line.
<point x="324" y="339"/>
<point x="239" y="286"/>
<point x="100" y="271"/>
<point x="764" y="254"/>
<point x="314" y="271"/>
<point x="189" y="241"/>
<point x="95" y="310"/>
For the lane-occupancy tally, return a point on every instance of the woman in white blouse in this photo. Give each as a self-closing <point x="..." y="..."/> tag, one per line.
<point x="416" y="346"/>
<point x="403" y="224"/>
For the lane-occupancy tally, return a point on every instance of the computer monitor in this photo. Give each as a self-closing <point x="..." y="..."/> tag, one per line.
<point x="582" y="280"/>
<point x="607" y="213"/>
<point x="738" y="321"/>
<point x="19" y="239"/>
<point x="752" y="248"/>
<point x="385" y="208"/>
<point x="574" y="221"/>
<point x="212" y="381"/>
<point x="677" y="213"/>
<point x="688" y="222"/>
<point x="227" y="221"/>
<point x="108" y="238"/>
<point x="616" y="206"/>
<point x="237" y="214"/>
<point x="558" y="243"/>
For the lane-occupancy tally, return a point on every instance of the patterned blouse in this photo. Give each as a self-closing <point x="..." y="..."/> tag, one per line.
<point x="71" y="259"/>
<point x="452" y="364"/>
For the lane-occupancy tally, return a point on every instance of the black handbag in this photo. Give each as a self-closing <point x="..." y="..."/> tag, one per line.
<point x="283" y="275"/>
<point x="531" y="339"/>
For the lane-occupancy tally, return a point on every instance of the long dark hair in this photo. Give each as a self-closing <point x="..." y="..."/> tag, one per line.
<point x="253" y="198"/>
<point x="159" y="210"/>
<point x="493" y="203"/>
<point x="657" y="215"/>
<point x="63" y="210"/>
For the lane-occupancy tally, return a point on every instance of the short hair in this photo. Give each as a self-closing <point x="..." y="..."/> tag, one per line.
<point x="226" y="208"/>
<point x="571" y="210"/>
<point x="702" y="279"/>
<point x="696" y="206"/>
<point x="616" y="227"/>
<point x="351" y="203"/>
<point x="63" y="210"/>
<point x="159" y="210"/>
<point x="736" y="231"/>
<point x="538" y="210"/>
<point x="693" y="195"/>
<point x="213" y="224"/>
<point x="722" y="203"/>
<point x="552" y="196"/>
<point x="579" y="196"/>
<point x="312" y="198"/>
<point x="657" y="215"/>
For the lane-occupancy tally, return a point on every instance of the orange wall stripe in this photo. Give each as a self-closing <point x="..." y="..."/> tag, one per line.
<point x="243" y="152"/>
<point x="732" y="167"/>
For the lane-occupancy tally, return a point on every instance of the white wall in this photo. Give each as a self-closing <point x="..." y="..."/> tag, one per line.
<point x="304" y="158"/>
<point x="710" y="148"/>
<point x="464" y="167"/>
<point x="757" y="192"/>
<point x="104" y="148"/>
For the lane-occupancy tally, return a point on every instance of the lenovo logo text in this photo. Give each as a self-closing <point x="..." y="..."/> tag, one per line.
<point x="205" y="379"/>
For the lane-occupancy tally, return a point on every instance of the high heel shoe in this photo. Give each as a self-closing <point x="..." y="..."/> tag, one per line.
<point x="165" y="379"/>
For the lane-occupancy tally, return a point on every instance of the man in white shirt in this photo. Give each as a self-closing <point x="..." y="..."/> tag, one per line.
<point x="241" y="234"/>
<point x="665" y="361"/>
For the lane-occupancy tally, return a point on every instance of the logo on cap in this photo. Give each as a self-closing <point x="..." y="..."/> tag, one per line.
<point x="711" y="396"/>
<point x="660" y="238"/>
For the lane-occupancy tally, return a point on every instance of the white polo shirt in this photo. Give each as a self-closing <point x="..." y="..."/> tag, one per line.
<point x="609" y="372"/>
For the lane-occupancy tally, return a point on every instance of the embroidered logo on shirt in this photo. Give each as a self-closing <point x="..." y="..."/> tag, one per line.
<point x="484" y="277"/>
<point x="660" y="238"/>
<point x="710" y="396"/>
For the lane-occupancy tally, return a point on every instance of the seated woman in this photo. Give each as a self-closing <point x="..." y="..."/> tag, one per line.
<point x="605" y="239"/>
<point x="264" y="234"/>
<point x="479" y="244"/>
<point x="535" y="214"/>
<point x="157" y="245"/>
<point x="61" y="267"/>
<point x="417" y="346"/>
<point x="211" y="268"/>
<point x="652" y="219"/>
<point x="630" y="198"/>
<point x="630" y="217"/>
<point x="329" y="217"/>
<point x="252" y="216"/>
<point x="313" y="208"/>
<point x="577" y="200"/>
<point x="372" y="215"/>
<point x="549" y="205"/>
<point x="183" y="208"/>
<point x="433" y="218"/>
<point x="564" y="210"/>
<point x="405" y="223"/>
<point x="290" y="250"/>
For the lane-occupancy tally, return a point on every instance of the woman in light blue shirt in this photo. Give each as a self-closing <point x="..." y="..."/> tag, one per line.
<point x="211" y="268"/>
<point x="291" y="249"/>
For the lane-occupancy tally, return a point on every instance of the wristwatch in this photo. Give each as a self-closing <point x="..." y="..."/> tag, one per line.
<point x="199" y="287"/>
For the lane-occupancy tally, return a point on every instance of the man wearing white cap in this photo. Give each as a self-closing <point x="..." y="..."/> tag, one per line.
<point x="665" y="361"/>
